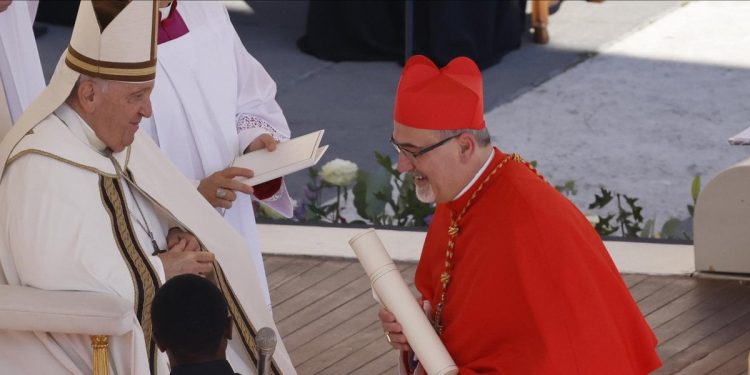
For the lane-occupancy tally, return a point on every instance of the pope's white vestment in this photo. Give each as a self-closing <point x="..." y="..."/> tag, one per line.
<point x="21" y="77"/>
<point x="211" y="98"/>
<point x="69" y="221"/>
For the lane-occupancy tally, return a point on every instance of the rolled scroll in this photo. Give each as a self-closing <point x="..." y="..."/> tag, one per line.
<point x="395" y="296"/>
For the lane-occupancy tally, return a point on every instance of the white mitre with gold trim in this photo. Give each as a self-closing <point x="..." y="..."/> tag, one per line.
<point x="112" y="40"/>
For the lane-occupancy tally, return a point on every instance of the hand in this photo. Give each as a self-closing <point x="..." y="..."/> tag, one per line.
<point x="224" y="180"/>
<point x="4" y="4"/>
<point x="177" y="260"/>
<point x="264" y="140"/>
<point x="393" y="329"/>
<point x="176" y="234"/>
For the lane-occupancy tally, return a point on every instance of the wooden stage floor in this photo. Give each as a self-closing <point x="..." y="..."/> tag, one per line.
<point x="328" y="319"/>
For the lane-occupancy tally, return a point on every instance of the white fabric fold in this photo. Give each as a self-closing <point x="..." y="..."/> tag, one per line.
<point x="204" y="80"/>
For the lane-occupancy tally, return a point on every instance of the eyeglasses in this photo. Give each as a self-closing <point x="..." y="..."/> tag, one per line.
<point x="415" y="154"/>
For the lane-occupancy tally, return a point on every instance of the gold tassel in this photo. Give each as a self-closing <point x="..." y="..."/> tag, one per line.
<point x="99" y="344"/>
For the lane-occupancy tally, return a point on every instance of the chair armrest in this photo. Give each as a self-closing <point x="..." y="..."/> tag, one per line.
<point x="73" y="312"/>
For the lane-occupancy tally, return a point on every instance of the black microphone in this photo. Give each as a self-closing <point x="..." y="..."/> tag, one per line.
<point x="265" y="341"/>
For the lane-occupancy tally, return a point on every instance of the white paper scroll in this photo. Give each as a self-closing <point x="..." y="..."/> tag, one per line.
<point x="395" y="295"/>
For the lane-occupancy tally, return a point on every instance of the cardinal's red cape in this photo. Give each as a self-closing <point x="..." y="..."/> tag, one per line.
<point x="533" y="289"/>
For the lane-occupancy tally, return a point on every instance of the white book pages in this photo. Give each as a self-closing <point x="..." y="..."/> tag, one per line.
<point x="290" y="156"/>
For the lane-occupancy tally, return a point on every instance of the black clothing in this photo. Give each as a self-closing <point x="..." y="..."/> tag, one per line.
<point x="220" y="367"/>
<point x="374" y="30"/>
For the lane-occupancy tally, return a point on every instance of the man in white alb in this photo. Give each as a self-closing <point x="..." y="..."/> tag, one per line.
<point x="21" y="77"/>
<point x="87" y="203"/>
<point x="212" y="102"/>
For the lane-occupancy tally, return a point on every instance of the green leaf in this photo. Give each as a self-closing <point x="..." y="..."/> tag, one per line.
<point x="369" y="191"/>
<point x="603" y="227"/>
<point x="319" y="213"/>
<point x="385" y="162"/>
<point x="313" y="173"/>
<point x="696" y="188"/>
<point x="648" y="229"/>
<point x="669" y="229"/>
<point x="567" y="188"/>
<point x="632" y="230"/>
<point x="634" y="208"/>
<point x="601" y="200"/>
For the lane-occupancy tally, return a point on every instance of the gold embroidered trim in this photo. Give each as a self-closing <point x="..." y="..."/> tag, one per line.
<point x="143" y="71"/>
<point x="244" y="327"/>
<point x="53" y="156"/>
<point x="154" y="29"/>
<point x="453" y="231"/>
<point x="243" y="324"/>
<point x="144" y="277"/>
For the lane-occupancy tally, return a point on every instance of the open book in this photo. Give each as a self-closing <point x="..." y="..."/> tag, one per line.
<point x="290" y="156"/>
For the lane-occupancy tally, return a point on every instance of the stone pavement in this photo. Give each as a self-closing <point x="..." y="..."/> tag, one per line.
<point x="646" y="114"/>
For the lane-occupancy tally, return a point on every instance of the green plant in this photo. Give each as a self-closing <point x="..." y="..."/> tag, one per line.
<point x="648" y="230"/>
<point x="315" y="210"/>
<point x="627" y="220"/>
<point x="695" y="190"/>
<point x="669" y="229"/>
<point x="375" y="202"/>
<point x="568" y="188"/>
<point x="388" y="197"/>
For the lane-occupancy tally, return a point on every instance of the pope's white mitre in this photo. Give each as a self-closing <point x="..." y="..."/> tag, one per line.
<point x="113" y="40"/>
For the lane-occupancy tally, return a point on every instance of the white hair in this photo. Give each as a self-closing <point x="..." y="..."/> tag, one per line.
<point x="482" y="135"/>
<point x="100" y="83"/>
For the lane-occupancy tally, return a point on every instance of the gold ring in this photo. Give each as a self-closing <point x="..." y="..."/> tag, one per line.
<point x="388" y="337"/>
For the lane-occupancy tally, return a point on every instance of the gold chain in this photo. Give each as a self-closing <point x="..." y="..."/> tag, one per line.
<point x="453" y="230"/>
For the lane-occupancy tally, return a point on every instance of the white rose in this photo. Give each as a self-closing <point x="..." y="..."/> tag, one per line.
<point x="339" y="172"/>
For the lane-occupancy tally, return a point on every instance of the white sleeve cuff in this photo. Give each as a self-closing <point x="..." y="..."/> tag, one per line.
<point x="250" y="127"/>
<point x="247" y="136"/>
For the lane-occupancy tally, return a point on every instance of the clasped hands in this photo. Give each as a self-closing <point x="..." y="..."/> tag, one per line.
<point x="184" y="255"/>
<point x="220" y="188"/>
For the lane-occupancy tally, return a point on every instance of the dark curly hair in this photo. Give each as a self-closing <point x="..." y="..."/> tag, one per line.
<point x="189" y="316"/>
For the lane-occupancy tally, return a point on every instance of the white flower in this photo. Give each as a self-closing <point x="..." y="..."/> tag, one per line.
<point x="593" y="219"/>
<point x="339" y="172"/>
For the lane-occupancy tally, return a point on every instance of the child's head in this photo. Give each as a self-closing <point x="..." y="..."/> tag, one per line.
<point x="190" y="320"/>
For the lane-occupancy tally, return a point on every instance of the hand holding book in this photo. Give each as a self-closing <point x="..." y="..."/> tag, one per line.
<point x="290" y="156"/>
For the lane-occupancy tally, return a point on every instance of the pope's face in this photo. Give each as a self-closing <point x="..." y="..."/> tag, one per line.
<point x="118" y="110"/>
<point x="432" y="171"/>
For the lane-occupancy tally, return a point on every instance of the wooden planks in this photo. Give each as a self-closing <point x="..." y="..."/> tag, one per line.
<point x="328" y="318"/>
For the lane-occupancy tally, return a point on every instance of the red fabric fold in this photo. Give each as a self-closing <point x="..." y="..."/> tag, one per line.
<point x="533" y="290"/>
<point x="173" y="26"/>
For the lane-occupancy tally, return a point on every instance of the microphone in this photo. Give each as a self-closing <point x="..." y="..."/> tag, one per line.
<point x="265" y="341"/>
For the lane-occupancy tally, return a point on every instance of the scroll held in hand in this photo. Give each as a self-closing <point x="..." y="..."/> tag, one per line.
<point x="395" y="296"/>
